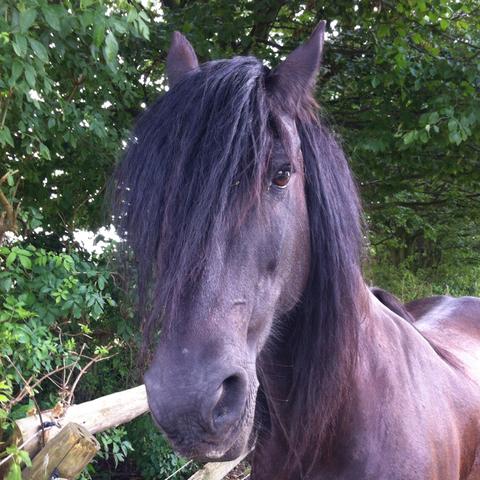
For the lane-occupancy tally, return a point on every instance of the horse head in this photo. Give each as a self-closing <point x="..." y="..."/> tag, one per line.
<point x="226" y="194"/>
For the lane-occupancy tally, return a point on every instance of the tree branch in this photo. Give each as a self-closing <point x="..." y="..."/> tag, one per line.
<point x="8" y="218"/>
<point x="265" y="15"/>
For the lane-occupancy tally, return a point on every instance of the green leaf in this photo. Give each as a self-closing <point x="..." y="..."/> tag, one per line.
<point x="143" y="29"/>
<point x="84" y="4"/>
<point x="17" y="69"/>
<point x="452" y="125"/>
<point x="99" y="33"/>
<point x="5" y="136"/>
<point x="417" y="38"/>
<point x="410" y="137"/>
<point x="47" y="85"/>
<point x="30" y="75"/>
<point x="400" y="60"/>
<point x="6" y="284"/>
<point x="26" y="19"/>
<point x="44" y="152"/>
<point x="22" y="337"/>
<point x="25" y="457"/>
<point x="434" y="117"/>
<point x="10" y="259"/>
<point x="111" y="48"/>
<point x="39" y="50"/>
<point x="132" y="15"/>
<point x="119" y="26"/>
<point x="443" y="24"/>
<point x="52" y="17"/>
<point x="383" y="30"/>
<point x="25" y="261"/>
<point x="20" y="45"/>
<point x="14" y="473"/>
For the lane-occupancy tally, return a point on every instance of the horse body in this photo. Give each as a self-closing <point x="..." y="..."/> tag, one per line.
<point x="411" y="414"/>
<point x="455" y="324"/>
<point x="245" y="222"/>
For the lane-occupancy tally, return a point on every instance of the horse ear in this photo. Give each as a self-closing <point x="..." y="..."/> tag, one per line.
<point x="181" y="58"/>
<point x="295" y="76"/>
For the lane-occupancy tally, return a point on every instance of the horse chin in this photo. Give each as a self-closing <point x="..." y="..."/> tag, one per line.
<point x="208" y="452"/>
<point x="219" y="456"/>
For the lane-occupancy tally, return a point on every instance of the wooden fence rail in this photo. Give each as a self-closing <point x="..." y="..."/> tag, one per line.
<point x="69" y="442"/>
<point x="95" y="416"/>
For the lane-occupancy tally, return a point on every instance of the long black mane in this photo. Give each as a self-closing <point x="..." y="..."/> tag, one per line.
<point x="197" y="159"/>
<point x="193" y="162"/>
<point x="323" y="338"/>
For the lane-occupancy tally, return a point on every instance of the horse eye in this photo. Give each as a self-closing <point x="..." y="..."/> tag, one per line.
<point x="282" y="177"/>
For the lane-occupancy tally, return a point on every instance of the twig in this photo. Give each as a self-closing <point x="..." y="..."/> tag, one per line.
<point x="74" y="365"/>
<point x="26" y="390"/>
<point x="179" y="470"/>
<point x="8" y="217"/>
<point x="4" y="112"/>
<point x="8" y="174"/>
<point x="32" y="396"/>
<point x="82" y="371"/>
<point x="76" y="84"/>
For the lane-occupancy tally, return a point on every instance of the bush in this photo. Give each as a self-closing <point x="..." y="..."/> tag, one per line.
<point x="152" y="455"/>
<point x="54" y="308"/>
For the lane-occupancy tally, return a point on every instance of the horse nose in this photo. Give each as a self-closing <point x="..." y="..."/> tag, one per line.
<point x="178" y="406"/>
<point x="228" y="403"/>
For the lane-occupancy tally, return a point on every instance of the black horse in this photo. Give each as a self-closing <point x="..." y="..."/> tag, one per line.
<point x="246" y="226"/>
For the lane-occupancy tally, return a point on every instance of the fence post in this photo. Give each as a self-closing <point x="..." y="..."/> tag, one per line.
<point x="67" y="454"/>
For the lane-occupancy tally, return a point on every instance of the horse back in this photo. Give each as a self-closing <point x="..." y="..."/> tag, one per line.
<point x="454" y="324"/>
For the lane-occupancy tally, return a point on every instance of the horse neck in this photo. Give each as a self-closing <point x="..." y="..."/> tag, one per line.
<point x="385" y="343"/>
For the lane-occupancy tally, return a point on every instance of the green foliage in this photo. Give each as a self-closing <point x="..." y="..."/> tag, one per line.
<point x="60" y="69"/>
<point x="51" y="305"/>
<point x="38" y="292"/>
<point x="115" y="445"/>
<point x="19" y="458"/>
<point x="152" y="455"/>
<point x="400" y="80"/>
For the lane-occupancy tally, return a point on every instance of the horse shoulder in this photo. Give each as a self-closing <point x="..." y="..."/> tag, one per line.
<point x="454" y="324"/>
<point x="411" y="396"/>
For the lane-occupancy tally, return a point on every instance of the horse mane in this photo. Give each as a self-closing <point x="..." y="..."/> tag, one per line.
<point x="324" y="337"/>
<point x="393" y="303"/>
<point x="198" y="158"/>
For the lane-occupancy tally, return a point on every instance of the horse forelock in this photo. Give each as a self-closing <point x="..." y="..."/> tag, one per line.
<point x="196" y="160"/>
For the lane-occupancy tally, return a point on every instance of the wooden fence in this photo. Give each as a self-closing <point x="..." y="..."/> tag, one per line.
<point x="61" y="444"/>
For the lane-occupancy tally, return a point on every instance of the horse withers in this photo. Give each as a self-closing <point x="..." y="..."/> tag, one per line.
<point x="245" y="223"/>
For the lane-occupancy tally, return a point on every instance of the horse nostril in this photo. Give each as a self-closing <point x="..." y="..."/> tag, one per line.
<point x="231" y="397"/>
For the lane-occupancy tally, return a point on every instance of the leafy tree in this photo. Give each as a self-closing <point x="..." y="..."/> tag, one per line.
<point x="68" y="91"/>
<point x="399" y="83"/>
